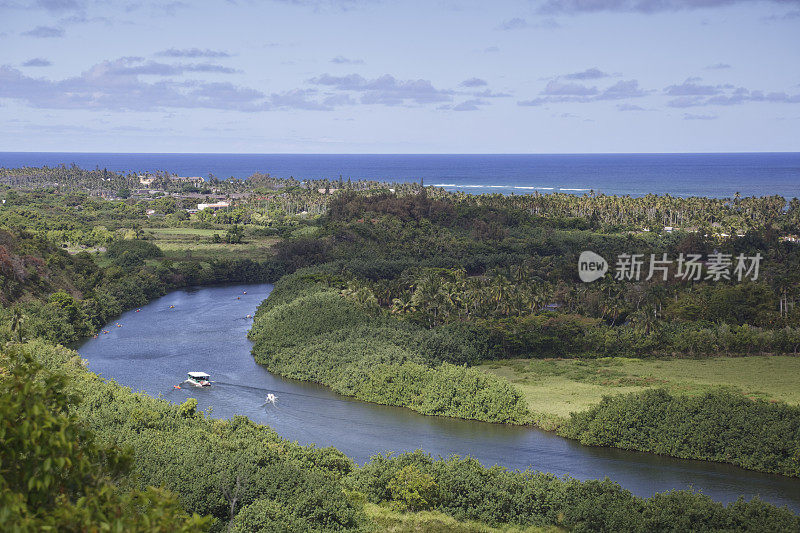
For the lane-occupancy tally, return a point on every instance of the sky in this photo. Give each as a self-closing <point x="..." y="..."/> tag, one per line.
<point x="371" y="76"/>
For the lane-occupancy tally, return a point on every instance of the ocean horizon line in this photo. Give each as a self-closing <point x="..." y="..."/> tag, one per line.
<point x="720" y="175"/>
<point x="328" y="154"/>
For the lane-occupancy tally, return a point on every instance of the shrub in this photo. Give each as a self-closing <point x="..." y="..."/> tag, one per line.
<point x="412" y="489"/>
<point x="716" y="426"/>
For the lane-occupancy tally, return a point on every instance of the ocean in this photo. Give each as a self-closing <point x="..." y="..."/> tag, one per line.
<point x="713" y="175"/>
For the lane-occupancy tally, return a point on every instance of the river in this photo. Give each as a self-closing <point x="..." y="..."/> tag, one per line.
<point x="152" y="349"/>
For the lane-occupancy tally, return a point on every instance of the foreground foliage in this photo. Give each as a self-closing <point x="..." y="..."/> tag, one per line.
<point x="466" y="490"/>
<point x="54" y="475"/>
<point x="215" y="467"/>
<point x="250" y="479"/>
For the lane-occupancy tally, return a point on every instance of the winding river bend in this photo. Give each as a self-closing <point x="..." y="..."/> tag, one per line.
<point x="206" y="331"/>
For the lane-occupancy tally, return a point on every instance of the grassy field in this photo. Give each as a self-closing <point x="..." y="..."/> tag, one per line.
<point x="556" y="387"/>
<point x="385" y="519"/>
<point x="191" y="243"/>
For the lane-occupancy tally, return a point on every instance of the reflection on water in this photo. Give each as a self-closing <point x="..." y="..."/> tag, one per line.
<point x="206" y="331"/>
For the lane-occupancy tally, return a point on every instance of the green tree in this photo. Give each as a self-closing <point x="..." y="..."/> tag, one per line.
<point x="234" y="234"/>
<point x="413" y="489"/>
<point x="53" y="473"/>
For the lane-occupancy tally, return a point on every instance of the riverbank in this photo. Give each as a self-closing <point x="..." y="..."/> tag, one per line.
<point x="157" y="346"/>
<point x="308" y="331"/>
<point x="319" y="336"/>
<point x="203" y="460"/>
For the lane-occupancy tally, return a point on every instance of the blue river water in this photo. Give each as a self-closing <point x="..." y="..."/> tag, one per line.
<point x="154" y="348"/>
<point x="713" y="175"/>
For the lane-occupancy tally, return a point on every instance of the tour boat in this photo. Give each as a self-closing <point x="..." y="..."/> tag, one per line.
<point x="199" y="379"/>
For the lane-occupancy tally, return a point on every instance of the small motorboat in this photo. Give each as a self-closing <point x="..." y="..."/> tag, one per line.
<point x="198" y="379"/>
<point x="271" y="398"/>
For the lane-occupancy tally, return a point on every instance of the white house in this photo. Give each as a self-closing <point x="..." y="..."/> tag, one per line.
<point x="214" y="206"/>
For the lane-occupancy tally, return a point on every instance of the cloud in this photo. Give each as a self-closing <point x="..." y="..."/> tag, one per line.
<point x="691" y="116"/>
<point x="533" y="102"/>
<point x="386" y="89"/>
<point x="222" y="93"/>
<point x="727" y="95"/>
<point x="352" y="82"/>
<point x="742" y="95"/>
<point x="110" y="85"/>
<point x="557" y="88"/>
<point x="169" y="8"/>
<point x="341" y="60"/>
<point x="339" y="100"/>
<point x="59" y="5"/>
<point x="687" y="101"/>
<point x="297" y="99"/>
<point x="622" y="89"/>
<point x="192" y="53"/>
<point x="81" y="18"/>
<point x="559" y="92"/>
<point x="37" y="62"/>
<point x="44" y="32"/>
<point x="629" y="107"/>
<point x="789" y="15"/>
<point x="588" y="74"/>
<point x="718" y="66"/>
<point x="134" y="66"/>
<point x="690" y="87"/>
<point x="518" y="23"/>
<point x="473" y="82"/>
<point x="207" y="67"/>
<point x="488" y="93"/>
<point x="469" y="105"/>
<point x="515" y="23"/>
<point x="636" y="6"/>
<point x="491" y="49"/>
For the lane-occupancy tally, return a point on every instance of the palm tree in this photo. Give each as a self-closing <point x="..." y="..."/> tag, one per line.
<point x="644" y="320"/>
<point x="400" y="306"/>
<point x="17" y="322"/>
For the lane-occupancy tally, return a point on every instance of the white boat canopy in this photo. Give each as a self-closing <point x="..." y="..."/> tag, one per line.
<point x="199" y="375"/>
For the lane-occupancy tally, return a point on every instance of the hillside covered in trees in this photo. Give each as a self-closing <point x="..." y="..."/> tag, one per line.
<point x="390" y="297"/>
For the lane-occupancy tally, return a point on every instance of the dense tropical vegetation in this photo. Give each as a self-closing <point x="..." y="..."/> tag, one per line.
<point x="320" y="336"/>
<point x="118" y="445"/>
<point x="716" y="426"/>
<point x="391" y="293"/>
<point x="406" y="289"/>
